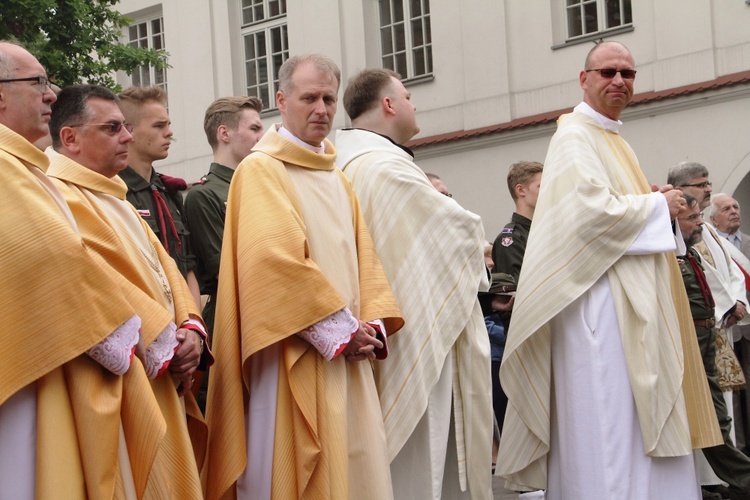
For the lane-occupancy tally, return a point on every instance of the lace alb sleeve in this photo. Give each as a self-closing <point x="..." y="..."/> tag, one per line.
<point x="116" y="351"/>
<point x="160" y="352"/>
<point x="332" y="333"/>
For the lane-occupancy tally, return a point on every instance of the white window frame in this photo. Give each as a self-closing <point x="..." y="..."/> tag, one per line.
<point x="263" y="28"/>
<point x="600" y="7"/>
<point x="408" y="57"/>
<point x="145" y="76"/>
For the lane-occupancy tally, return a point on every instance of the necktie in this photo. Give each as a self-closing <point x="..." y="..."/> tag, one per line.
<point x="163" y="216"/>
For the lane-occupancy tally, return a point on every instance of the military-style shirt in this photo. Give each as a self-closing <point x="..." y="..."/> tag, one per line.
<point x="141" y="197"/>
<point x="206" y="207"/>
<point x="508" y="250"/>
<point x="510" y="245"/>
<point x="701" y="307"/>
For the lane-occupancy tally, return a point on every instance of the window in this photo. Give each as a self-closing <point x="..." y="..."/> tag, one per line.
<point x="406" y="37"/>
<point x="592" y="16"/>
<point x="265" y="47"/>
<point x="149" y="34"/>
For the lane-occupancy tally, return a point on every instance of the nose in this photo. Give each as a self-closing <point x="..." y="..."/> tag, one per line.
<point x="126" y="136"/>
<point x="49" y="95"/>
<point x="320" y="107"/>
<point x="169" y="132"/>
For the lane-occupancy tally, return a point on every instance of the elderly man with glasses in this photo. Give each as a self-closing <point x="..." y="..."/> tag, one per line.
<point x="602" y="369"/>
<point x="59" y="311"/>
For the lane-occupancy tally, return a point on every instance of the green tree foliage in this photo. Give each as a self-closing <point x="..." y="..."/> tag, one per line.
<point x="76" y="40"/>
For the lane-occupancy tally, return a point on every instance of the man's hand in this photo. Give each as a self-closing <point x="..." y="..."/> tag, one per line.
<point x="675" y="200"/>
<point x="740" y="311"/>
<point x="362" y="346"/>
<point x="186" y="358"/>
<point x="503" y="302"/>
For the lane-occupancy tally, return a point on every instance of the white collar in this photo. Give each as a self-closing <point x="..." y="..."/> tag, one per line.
<point x="286" y="133"/>
<point x="603" y="121"/>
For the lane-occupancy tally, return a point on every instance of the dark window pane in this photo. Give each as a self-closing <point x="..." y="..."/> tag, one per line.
<point x="428" y="59"/>
<point x="133" y="32"/>
<point x="401" y="64"/>
<point x="388" y="62"/>
<point x="416" y="8"/>
<point x="263" y="95"/>
<point x="427" y="30"/>
<point x="592" y="22"/>
<point x="249" y="46"/>
<point x="258" y="13"/>
<point x="398" y="11"/>
<point x="385" y="41"/>
<point x="612" y="8"/>
<point x="251" y="73"/>
<point x="278" y="60"/>
<point x="385" y="12"/>
<point x="416" y="33"/>
<point x="142" y="30"/>
<point x="627" y="13"/>
<point x="419" y="65"/>
<point x="262" y="71"/>
<point x="283" y="6"/>
<point x="275" y="40"/>
<point x="273" y="8"/>
<point x="573" y="2"/>
<point x="260" y="41"/>
<point x="574" y="21"/>
<point x="247" y="16"/>
<point x="399" y="37"/>
<point x="426" y="6"/>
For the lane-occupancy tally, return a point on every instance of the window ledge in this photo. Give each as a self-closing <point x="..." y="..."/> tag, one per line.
<point x="419" y="79"/>
<point x="595" y="36"/>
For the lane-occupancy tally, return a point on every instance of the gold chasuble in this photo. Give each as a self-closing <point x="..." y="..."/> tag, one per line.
<point x="586" y="218"/>
<point x="58" y="303"/>
<point x="160" y="452"/>
<point x="295" y="251"/>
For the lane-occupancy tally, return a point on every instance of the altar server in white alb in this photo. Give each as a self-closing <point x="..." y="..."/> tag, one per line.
<point x="435" y="388"/>
<point x="607" y="394"/>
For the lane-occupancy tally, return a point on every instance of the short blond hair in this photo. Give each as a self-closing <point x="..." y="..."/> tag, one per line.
<point x="226" y="111"/>
<point x="131" y="100"/>
<point x="522" y="172"/>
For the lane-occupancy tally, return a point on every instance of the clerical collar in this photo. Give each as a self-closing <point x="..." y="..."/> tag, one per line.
<point x="401" y="146"/>
<point x="315" y="149"/>
<point x="603" y="121"/>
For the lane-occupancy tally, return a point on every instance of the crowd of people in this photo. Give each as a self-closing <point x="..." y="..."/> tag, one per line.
<point x="320" y="321"/>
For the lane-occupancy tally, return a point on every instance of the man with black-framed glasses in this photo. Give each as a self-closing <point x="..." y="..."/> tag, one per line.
<point x="58" y="307"/>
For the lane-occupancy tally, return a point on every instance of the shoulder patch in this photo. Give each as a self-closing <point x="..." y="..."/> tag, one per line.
<point x="144" y="213"/>
<point x="507" y="241"/>
<point x="507" y="230"/>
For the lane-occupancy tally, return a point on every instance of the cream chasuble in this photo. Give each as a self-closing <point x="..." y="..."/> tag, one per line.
<point x="159" y="447"/>
<point x="432" y="253"/>
<point x="295" y="251"/>
<point x="593" y="204"/>
<point x="58" y="304"/>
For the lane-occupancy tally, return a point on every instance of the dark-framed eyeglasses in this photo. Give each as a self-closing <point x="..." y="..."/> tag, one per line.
<point x="626" y="74"/>
<point x="111" y="128"/>
<point x="41" y="81"/>
<point x="701" y="185"/>
<point x="692" y="217"/>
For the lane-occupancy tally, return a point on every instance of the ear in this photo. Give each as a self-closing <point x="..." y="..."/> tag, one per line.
<point x="281" y="101"/>
<point x="520" y="190"/>
<point x="69" y="139"/>
<point x="582" y="79"/>
<point x="387" y="104"/>
<point x="222" y="134"/>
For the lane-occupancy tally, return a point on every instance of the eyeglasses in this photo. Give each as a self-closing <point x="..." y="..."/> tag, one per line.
<point x="626" y="74"/>
<point x="702" y="185"/>
<point x="111" y="128"/>
<point x="692" y="218"/>
<point x="41" y="81"/>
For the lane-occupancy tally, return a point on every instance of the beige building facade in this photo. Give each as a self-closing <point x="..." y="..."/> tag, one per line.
<point x="488" y="77"/>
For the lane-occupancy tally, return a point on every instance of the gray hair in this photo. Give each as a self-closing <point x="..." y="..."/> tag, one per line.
<point x="684" y="172"/>
<point x="711" y="210"/>
<point x="322" y="63"/>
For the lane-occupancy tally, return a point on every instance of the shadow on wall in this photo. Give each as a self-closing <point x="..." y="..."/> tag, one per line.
<point x="742" y="193"/>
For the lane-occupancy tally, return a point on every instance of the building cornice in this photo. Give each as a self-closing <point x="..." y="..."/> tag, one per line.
<point x="528" y="127"/>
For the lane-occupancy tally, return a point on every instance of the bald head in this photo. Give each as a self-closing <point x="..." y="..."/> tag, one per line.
<point x="24" y="102"/>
